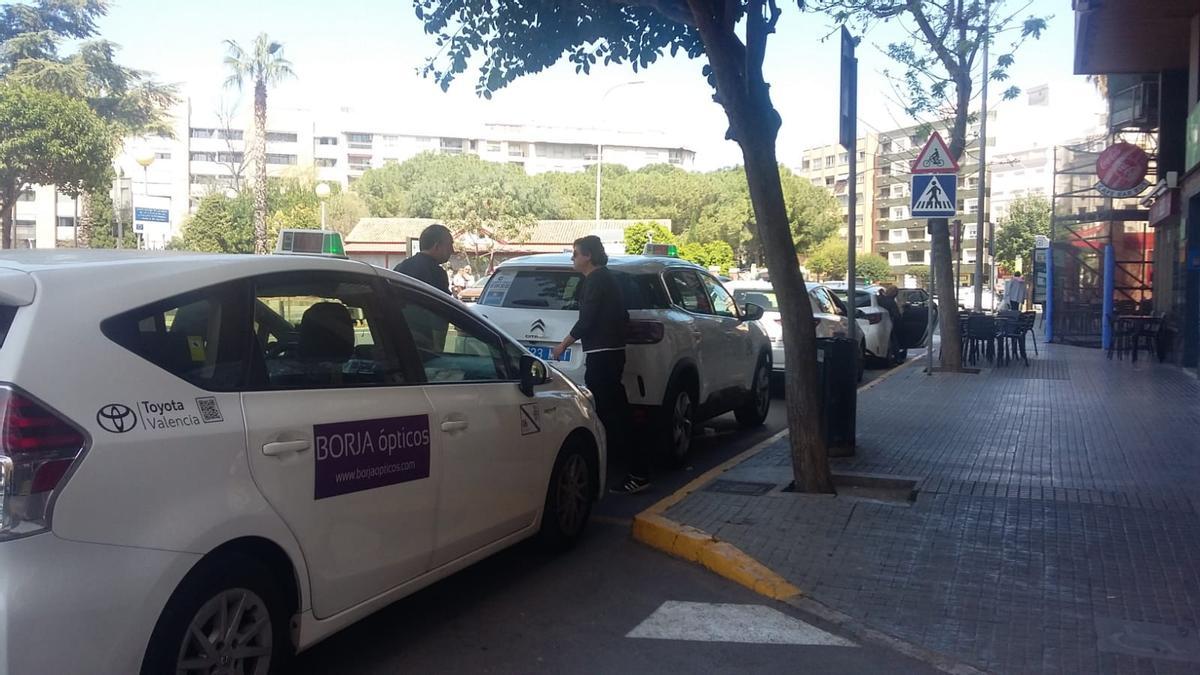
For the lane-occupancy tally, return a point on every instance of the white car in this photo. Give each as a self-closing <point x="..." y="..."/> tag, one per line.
<point x="692" y="353"/>
<point x="875" y="322"/>
<point x="829" y="316"/>
<point x="210" y="462"/>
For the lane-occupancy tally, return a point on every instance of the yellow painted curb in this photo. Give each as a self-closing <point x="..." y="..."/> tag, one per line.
<point x="655" y="530"/>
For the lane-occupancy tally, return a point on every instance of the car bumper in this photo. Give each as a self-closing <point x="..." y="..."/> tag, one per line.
<point x="777" y="357"/>
<point x="71" y="607"/>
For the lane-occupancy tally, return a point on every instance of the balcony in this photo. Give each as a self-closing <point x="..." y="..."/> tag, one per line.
<point x="1134" y="107"/>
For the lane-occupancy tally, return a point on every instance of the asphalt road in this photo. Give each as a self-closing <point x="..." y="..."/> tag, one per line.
<point x="527" y="611"/>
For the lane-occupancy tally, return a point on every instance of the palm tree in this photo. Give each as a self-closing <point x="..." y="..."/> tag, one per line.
<point x="265" y="65"/>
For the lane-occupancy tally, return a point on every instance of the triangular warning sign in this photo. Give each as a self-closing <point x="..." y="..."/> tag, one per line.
<point x="934" y="198"/>
<point x="935" y="157"/>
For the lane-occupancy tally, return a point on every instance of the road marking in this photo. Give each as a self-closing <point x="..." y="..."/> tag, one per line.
<point x="719" y="622"/>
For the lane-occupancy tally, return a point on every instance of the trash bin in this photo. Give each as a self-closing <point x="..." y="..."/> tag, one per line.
<point x="837" y="365"/>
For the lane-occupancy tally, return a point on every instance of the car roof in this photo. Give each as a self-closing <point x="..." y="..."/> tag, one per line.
<point x="623" y="263"/>
<point x="759" y="285"/>
<point x="841" y="286"/>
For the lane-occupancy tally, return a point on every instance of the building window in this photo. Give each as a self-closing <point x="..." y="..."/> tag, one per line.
<point x="326" y="162"/>
<point x="886" y="147"/>
<point x="859" y="180"/>
<point x="896" y="257"/>
<point x="202" y="133"/>
<point x="391" y="141"/>
<point x="232" y="134"/>
<point x="327" y="140"/>
<point x="898" y="213"/>
<point x="969" y="232"/>
<point x="898" y="235"/>
<point x="899" y="168"/>
<point x="885" y="170"/>
<point x="493" y="146"/>
<point x="830" y="161"/>
<point x="281" y="137"/>
<point x="204" y="156"/>
<point x="898" y="190"/>
<point x="233" y="157"/>
<point x="518" y="149"/>
<point x="360" y="141"/>
<point x="675" y="157"/>
<point x="66" y="221"/>
<point x="900" y="145"/>
<point x="804" y="166"/>
<point x="916" y="257"/>
<point x="971" y="206"/>
<point x="359" y="162"/>
<point x="969" y="255"/>
<point x="280" y="159"/>
<point x="453" y="146"/>
<point x="862" y="156"/>
<point x="27" y="196"/>
<point x="162" y="155"/>
<point x="844" y="158"/>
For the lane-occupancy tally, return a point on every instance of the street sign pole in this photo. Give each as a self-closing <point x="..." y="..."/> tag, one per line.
<point x="929" y="311"/>
<point x="848" y="132"/>
<point x="934" y="176"/>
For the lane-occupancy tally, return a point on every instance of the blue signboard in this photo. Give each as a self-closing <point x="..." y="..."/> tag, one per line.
<point x="151" y="215"/>
<point x="934" y="195"/>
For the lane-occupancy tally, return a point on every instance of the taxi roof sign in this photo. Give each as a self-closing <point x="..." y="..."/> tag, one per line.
<point x="661" y="250"/>
<point x="935" y="157"/>
<point x="310" y="242"/>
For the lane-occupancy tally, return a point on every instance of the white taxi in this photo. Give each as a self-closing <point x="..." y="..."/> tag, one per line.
<point x="829" y="315"/>
<point x="208" y="463"/>
<point x="693" y="352"/>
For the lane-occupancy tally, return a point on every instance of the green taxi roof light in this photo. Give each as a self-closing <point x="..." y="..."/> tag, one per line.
<point x="333" y="244"/>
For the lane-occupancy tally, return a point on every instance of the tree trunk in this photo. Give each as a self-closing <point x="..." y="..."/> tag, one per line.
<point x="83" y="232"/>
<point x="754" y="124"/>
<point x="6" y="221"/>
<point x="947" y="293"/>
<point x="259" y="151"/>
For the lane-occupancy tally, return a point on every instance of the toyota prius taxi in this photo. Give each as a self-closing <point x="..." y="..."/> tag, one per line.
<point x="211" y="462"/>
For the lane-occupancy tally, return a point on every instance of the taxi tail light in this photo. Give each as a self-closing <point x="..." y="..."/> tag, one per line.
<point x="37" y="449"/>
<point x="644" y="332"/>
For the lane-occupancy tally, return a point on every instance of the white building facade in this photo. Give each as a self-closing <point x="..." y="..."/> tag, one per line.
<point x="208" y="154"/>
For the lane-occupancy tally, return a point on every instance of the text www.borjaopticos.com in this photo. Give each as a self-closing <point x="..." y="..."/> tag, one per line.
<point x="374" y="471"/>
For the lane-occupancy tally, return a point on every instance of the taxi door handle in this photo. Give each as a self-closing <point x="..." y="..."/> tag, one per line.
<point x="283" y="447"/>
<point x="455" y="425"/>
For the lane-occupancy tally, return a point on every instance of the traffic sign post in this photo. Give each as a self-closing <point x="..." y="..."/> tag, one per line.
<point x="934" y="191"/>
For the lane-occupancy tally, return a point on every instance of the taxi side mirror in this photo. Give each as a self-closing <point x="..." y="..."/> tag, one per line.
<point x="533" y="373"/>
<point x="752" y="312"/>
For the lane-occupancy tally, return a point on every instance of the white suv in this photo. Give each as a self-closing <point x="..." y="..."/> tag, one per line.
<point x="692" y="352"/>
<point x="209" y="462"/>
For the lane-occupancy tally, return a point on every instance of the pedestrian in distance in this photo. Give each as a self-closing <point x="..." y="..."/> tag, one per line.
<point x="601" y="329"/>
<point x="887" y="300"/>
<point x="1014" y="291"/>
<point x="437" y="246"/>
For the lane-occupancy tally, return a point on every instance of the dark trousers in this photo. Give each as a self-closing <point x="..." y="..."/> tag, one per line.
<point x="1014" y="305"/>
<point x="602" y="375"/>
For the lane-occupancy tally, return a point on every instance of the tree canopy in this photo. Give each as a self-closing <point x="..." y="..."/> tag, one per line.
<point x="1027" y="217"/>
<point x="830" y="259"/>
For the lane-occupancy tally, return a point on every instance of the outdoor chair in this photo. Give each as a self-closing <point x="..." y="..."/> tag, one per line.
<point x="981" y="338"/>
<point x="1028" y="319"/>
<point x="1145" y="333"/>
<point x="1122" y="336"/>
<point x="1010" y="338"/>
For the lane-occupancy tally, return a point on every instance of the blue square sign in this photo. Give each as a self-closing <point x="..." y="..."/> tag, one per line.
<point x="934" y="195"/>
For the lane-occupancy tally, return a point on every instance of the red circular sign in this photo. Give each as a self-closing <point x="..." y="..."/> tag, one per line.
<point x="1122" y="166"/>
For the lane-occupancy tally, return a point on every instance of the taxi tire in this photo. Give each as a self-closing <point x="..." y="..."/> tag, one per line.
<point x="207" y="580"/>
<point x="753" y="412"/>
<point x="552" y="535"/>
<point x="676" y="453"/>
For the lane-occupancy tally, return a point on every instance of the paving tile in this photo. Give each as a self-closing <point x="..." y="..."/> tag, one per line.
<point x="1049" y="498"/>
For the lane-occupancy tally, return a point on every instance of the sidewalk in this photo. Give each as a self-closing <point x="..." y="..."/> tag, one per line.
<point x="1056" y="529"/>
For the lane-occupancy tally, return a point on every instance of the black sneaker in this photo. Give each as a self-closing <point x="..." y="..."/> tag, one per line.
<point x="632" y="485"/>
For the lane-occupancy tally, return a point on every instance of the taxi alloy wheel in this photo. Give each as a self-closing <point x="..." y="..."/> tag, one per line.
<point x="231" y="634"/>
<point x="574" y="494"/>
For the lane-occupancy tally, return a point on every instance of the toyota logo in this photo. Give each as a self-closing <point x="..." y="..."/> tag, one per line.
<point x="116" y="418"/>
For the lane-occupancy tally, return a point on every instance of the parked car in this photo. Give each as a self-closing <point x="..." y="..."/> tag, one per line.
<point x="471" y="293"/>
<point x="829" y="315"/>
<point x="876" y="324"/>
<point x="243" y="455"/>
<point x="693" y="352"/>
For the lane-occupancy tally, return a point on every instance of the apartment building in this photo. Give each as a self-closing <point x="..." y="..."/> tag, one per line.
<point x="828" y="167"/>
<point x="1018" y="174"/>
<point x="209" y="152"/>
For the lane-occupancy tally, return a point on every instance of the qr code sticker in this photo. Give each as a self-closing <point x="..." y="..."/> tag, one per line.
<point x="209" y="410"/>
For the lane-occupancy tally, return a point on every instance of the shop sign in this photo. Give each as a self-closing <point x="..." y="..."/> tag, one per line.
<point x="1122" y="170"/>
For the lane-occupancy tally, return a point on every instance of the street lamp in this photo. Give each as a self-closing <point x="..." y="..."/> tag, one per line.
<point x="323" y="194"/>
<point x="600" y="145"/>
<point x="144" y="157"/>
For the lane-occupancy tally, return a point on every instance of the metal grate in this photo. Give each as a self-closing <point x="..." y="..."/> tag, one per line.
<point x="739" y="487"/>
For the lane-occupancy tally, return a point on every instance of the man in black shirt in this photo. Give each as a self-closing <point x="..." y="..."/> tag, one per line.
<point x="437" y="245"/>
<point x="601" y="329"/>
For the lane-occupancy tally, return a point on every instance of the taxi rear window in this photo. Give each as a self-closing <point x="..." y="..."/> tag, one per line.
<point x="7" y="312"/>
<point x="558" y="290"/>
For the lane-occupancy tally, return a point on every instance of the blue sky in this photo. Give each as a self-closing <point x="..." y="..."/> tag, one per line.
<point x="364" y="54"/>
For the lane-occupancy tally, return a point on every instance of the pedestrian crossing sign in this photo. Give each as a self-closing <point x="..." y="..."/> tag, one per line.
<point x="934" y="195"/>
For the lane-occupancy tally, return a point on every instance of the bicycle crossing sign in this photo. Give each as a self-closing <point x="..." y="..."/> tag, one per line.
<point x="934" y="195"/>
<point x="935" y="157"/>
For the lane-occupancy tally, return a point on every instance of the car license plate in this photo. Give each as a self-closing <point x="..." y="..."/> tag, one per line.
<point x="544" y="353"/>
